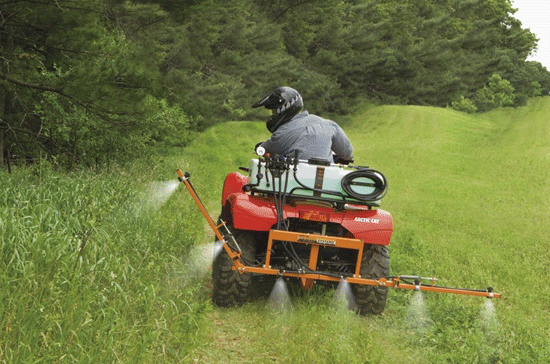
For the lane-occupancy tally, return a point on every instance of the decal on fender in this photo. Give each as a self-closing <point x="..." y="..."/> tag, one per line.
<point x="367" y="220"/>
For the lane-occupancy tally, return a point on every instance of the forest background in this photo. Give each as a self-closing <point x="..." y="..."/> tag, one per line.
<point x="89" y="83"/>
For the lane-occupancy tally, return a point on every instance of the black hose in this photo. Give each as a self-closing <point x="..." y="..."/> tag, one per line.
<point x="379" y="183"/>
<point x="292" y="253"/>
<point x="328" y="274"/>
<point x="279" y="195"/>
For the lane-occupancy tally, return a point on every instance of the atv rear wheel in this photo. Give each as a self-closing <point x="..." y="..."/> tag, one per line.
<point x="375" y="264"/>
<point x="230" y="286"/>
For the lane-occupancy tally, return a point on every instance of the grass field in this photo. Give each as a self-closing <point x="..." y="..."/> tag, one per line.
<point x="112" y="267"/>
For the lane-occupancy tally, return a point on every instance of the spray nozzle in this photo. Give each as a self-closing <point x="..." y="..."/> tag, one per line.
<point x="182" y="176"/>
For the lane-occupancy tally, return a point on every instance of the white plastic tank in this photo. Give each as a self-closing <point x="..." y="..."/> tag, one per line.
<point x="316" y="180"/>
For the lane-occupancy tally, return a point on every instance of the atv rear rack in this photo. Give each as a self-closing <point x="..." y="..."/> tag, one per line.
<point x="308" y="274"/>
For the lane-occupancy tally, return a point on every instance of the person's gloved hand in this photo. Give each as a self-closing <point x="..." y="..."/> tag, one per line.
<point x="340" y="160"/>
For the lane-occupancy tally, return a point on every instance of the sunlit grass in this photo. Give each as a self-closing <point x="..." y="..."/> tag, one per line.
<point x="469" y="196"/>
<point x="114" y="267"/>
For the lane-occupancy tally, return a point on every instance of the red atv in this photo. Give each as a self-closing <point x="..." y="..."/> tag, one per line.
<point x="311" y="221"/>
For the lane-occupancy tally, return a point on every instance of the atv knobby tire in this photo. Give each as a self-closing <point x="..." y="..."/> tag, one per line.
<point x="229" y="286"/>
<point x="375" y="264"/>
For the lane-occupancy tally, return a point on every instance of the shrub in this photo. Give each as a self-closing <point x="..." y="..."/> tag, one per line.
<point x="499" y="92"/>
<point x="465" y="105"/>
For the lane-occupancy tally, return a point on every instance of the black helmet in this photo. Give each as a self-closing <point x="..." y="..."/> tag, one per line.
<point x="285" y="102"/>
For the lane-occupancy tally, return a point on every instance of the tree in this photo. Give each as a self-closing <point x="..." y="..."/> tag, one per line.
<point x="74" y="85"/>
<point x="89" y="81"/>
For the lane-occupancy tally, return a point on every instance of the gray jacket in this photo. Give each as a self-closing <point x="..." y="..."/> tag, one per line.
<point x="310" y="135"/>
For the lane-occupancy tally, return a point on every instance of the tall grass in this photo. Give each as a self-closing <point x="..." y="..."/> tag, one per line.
<point x="91" y="273"/>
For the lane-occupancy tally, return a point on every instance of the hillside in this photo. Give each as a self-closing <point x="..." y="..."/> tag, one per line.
<point x="469" y="195"/>
<point x="110" y="267"/>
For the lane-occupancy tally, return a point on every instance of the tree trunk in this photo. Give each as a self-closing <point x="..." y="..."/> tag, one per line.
<point x="8" y="48"/>
<point x="2" y="113"/>
<point x="1" y="147"/>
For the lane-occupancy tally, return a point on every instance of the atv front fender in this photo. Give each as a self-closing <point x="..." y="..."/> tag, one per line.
<point x="234" y="183"/>
<point x="250" y="213"/>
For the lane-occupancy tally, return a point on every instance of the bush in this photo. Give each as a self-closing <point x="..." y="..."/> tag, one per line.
<point x="465" y="105"/>
<point x="498" y="93"/>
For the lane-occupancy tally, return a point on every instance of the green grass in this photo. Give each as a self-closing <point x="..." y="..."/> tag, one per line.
<point x="90" y="272"/>
<point x="93" y="270"/>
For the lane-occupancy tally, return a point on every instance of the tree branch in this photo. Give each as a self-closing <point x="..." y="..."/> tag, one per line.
<point x="85" y="104"/>
<point x="293" y="5"/>
<point x="32" y="85"/>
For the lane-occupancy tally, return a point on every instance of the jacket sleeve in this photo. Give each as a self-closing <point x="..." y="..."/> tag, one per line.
<point x="271" y="146"/>
<point x="341" y="144"/>
<point x="280" y="142"/>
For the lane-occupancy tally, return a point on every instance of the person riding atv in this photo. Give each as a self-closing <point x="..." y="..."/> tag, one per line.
<point x="295" y="130"/>
<point x="297" y="217"/>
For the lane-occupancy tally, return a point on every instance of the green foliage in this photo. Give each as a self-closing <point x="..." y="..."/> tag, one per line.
<point x="78" y="87"/>
<point x="170" y="126"/>
<point x="465" y="105"/>
<point x="497" y="93"/>
<point x="92" y="270"/>
<point x="111" y="67"/>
